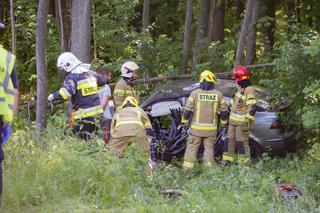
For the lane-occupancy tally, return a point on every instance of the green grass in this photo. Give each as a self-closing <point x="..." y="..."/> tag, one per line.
<point x="63" y="174"/>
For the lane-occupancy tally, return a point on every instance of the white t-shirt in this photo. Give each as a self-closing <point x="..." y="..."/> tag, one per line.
<point x="106" y="91"/>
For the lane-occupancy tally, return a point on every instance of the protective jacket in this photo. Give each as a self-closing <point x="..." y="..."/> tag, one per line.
<point x="83" y="90"/>
<point x="205" y="105"/>
<point x="243" y="106"/>
<point x="122" y="90"/>
<point x="7" y="61"/>
<point x="130" y="121"/>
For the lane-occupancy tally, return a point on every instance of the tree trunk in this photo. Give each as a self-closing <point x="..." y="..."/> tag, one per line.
<point x="62" y="11"/>
<point x="291" y="11"/>
<point x="81" y="30"/>
<point x="239" y="9"/>
<point x="146" y="14"/>
<point x="243" y="33"/>
<point x="13" y="28"/>
<point x="268" y="30"/>
<point x="201" y="33"/>
<point x="211" y="19"/>
<point x="218" y="22"/>
<point x="252" y="33"/>
<point x="187" y="37"/>
<point x="41" y="40"/>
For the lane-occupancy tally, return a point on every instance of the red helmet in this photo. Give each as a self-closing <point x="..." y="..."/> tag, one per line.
<point x="240" y="73"/>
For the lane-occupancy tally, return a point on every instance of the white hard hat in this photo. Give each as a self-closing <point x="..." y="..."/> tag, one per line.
<point x="127" y="68"/>
<point x="67" y="61"/>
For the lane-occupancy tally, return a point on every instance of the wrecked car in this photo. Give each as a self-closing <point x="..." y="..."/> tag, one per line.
<point x="165" y="107"/>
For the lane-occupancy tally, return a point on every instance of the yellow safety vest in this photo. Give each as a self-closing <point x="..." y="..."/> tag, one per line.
<point x="7" y="61"/>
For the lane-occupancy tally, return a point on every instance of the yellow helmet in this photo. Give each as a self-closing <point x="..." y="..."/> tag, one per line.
<point x="208" y="76"/>
<point x="131" y="100"/>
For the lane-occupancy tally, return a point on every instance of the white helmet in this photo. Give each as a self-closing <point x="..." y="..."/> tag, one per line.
<point x="67" y="61"/>
<point x="127" y="68"/>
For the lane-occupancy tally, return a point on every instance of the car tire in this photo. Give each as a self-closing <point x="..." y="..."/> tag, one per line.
<point x="255" y="149"/>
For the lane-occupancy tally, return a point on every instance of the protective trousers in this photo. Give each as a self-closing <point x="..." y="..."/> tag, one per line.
<point x="119" y="145"/>
<point x="238" y="142"/>
<point x="193" y="144"/>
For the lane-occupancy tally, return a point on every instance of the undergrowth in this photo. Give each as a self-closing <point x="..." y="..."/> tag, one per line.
<point x="64" y="174"/>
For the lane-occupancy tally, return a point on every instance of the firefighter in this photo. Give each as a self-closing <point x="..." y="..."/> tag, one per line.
<point x="125" y="86"/>
<point x="243" y="109"/>
<point x="9" y="95"/>
<point x="131" y="125"/>
<point x="81" y="86"/>
<point x="203" y="106"/>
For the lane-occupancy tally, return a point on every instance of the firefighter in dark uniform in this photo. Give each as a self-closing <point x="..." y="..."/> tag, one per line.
<point x="9" y="95"/>
<point x="203" y="106"/>
<point x="243" y="109"/>
<point x="125" y="86"/>
<point x="81" y="85"/>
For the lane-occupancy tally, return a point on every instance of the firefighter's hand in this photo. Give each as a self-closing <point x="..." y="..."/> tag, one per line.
<point x="50" y="98"/>
<point x="6" y="133"/>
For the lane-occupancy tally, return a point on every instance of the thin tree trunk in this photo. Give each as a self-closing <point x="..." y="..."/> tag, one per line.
<point x="211" y="19"/>
<point x="218" y="22"/>
<point x="146" y="14"/>
<point x="60" y="25"/>
<point x="252" y="33"/>
<point x="201" y="33"/>
<point x="243" y="33"/>
<point x="13" y="28"/>
<point x="187" y="37"/>
<point x="81" y="30"/>
<point x="291" y="11"/>
<point x="239" y="9"/>
<point x="94" y="30"/>
<point x="268" y="30"/>
<point x="41" y="40"/>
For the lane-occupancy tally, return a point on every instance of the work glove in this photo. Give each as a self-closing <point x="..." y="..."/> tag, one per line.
<point x="6" y="133"/>
<point x="246" y="126"/>
<point x="223" y="130"/>
<point x="50" y="98"/>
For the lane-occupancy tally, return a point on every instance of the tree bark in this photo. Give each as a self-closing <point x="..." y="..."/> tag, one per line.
<point x="268" y="30"/>
<point x="218" y="22"/>
<point x="41" y="40"/>
<point x="13" y="28"/>
<point x="211" y="19"/>
<point x="243" y="33"/>
<point x="187" y="37"/>
<point x="81" y="30"/>
<point x="239" y="9"/>
<point x="62" y="11"/>
<point x="252" y="33"/>
<point x="201" y="33"/>
<point x="146" y="14"/>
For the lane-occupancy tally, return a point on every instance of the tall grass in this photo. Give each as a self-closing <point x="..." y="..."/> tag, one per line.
<point x="63" y="174"/>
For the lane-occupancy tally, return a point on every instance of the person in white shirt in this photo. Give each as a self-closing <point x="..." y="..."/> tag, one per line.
<point x="106" y="103"/>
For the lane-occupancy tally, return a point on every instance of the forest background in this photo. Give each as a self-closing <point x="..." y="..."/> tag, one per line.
<point x="167" y="38"/>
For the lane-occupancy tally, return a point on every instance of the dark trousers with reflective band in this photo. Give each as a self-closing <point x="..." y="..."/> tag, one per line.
<point x="193" y="144"/>
<point x="85" y="128"/>
<point x="238" y="142"/>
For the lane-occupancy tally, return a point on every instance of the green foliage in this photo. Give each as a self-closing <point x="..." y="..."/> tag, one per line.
<point x="295" y="81"/>
<point x="64" y="174"/>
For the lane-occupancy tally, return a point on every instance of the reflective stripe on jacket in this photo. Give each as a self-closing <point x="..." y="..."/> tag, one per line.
<point x="241" y="106"/>
<point x="83" y="91"/>
<point x="121" y="91"/>
<point x="205" y="106"/>
<point x="7" y="61"/>
<point x="130" y="121"/>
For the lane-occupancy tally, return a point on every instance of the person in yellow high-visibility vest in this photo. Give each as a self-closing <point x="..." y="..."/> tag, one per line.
<point x="203" y="106"/>
<point x="9" y="95"/>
